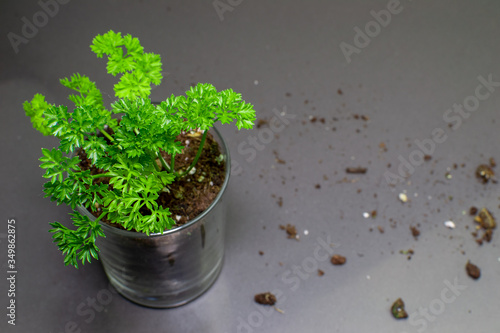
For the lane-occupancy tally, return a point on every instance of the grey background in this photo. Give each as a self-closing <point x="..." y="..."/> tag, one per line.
<point x="284" y="56"/>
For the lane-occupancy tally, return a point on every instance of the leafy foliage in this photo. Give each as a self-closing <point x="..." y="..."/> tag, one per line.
<point x="89" y="94"/>
<point x="35" y="110"/>
<point x="77" y="244"/>
<point x="139" y="69"/>
<point x="125" y="153"/>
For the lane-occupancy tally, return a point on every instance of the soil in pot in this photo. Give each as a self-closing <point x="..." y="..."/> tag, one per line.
<point x="192" y="194"/>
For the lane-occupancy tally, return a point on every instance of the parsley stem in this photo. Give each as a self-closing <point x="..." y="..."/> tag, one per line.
<point x="153" y="159"/>
<point x="198" y="154"/>
<point x="163" y="162"/>
<point x="100" y="217"/>
<point x="172" y="162"/>
<point x="110" y="138"/>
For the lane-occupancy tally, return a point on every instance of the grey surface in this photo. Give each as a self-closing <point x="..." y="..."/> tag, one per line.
<point x="425" y="60"/>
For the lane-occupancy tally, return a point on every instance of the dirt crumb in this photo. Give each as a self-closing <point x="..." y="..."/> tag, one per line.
<point x="277" y="158"/>
<point x="485" y="219"/>
<point x="320" y="272"/>
<point x="409" y="253"/>
<point x="398" y="309"/>
<point x="356" y="170"/>
<point x="338" y="260"/>
<point x="261" y="122"/>
<point x="291" y="231"/>
<point x="472" y="270"/>
<point x="486" y="223"/>
<point x="484" y="173"/>
<point x="265" y="298"/>
<point x="415" y="232"/>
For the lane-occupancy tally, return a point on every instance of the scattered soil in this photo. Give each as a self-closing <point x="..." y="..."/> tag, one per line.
<point x="338" y="260"/>
<point x="277" y="158"/>
<point x="290" y="231"/>
<point x="356" y="170"/>
<point x="398" y="309"/>
<point x="261" y="253"/>
<point x="362" y="117"/>
<point x="261" y="122"/>
<point x="415" y="232"/>
<point x="473" y="271"/>
<point x="265" y="298"/>
<point x="191" y="195"/>
<point x="485" y="219"/>
<point x="484" y="173"/>
<point x="485" y="225"/>
<point x="409" y="253"/>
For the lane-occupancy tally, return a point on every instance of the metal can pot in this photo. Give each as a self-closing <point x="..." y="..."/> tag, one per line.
<point x="173" y="268"/>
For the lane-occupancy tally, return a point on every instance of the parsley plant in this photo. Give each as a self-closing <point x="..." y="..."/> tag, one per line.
<point x="128" y="151"/>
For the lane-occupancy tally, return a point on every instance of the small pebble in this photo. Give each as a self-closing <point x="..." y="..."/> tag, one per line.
<point x="449" y="224"/>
